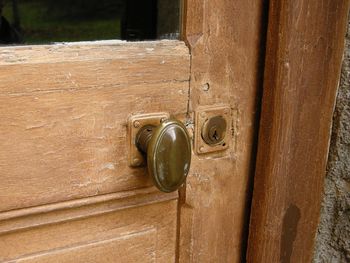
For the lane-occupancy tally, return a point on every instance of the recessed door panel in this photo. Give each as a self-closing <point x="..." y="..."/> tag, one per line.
<point x="138" y="228"/>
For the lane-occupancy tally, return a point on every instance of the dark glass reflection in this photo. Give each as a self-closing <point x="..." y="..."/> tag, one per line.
<point x="47" y="21"/>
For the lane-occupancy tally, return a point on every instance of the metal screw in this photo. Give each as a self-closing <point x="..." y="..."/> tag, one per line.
<point x="206" y="87"/>
<point x="162" y="120"/>
<point x="137" y="162"/>
<point x="201" y="149"/>
<point x="136" y="124"/>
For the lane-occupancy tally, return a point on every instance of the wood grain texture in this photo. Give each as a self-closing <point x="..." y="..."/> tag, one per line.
<point x="64" y="110"/>
<point x="136" y="247"/>
<point x="27" y="218"/>
<point x="304" y="51"/>
<point x="225" y="38"/>
<point x="121" y="230"/>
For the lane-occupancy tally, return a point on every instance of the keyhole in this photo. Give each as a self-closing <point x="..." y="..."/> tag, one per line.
<point x="213" y="130"/>
<point x="216" y="136"/>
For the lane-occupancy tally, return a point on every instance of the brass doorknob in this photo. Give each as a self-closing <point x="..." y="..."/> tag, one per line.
<point x="168" y="152"/>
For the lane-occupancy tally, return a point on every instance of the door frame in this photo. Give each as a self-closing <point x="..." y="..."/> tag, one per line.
<point x="303" y="62"/>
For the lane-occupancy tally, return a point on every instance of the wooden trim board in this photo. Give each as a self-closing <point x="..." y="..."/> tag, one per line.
<point x="304" y="52"/>
<point x="225" y="39"/>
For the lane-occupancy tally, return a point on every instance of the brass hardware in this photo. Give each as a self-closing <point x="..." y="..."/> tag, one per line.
<point x="214" y="130"/>
<point x="212" y="126"/>
<point x="167" y="148"/>
<point x="135" y="123"/>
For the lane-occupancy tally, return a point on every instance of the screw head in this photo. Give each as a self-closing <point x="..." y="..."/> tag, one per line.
<point x="206" y="87"/>
<point x="201" y="149"/>
<point x="136" y="124"/>
<point x="137" y="162"/>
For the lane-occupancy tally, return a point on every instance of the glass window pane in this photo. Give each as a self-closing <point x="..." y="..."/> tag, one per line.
<point x="47" y="21"/>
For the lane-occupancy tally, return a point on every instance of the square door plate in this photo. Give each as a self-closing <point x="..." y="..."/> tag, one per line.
<point x="135" y="123"/>
<point x="202" y="115"/>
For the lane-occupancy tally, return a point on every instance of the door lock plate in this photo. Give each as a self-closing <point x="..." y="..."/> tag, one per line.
<point x="212" y="129"/>
<point x="135" y="123"/>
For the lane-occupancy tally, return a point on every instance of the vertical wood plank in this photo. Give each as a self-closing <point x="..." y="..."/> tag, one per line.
<point x="304" y="51"/>
<point x="225" y="40"/>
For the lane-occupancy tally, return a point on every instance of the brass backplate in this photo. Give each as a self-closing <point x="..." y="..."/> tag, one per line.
<point x="135" y="123"/>
<point x="203" y="114"/>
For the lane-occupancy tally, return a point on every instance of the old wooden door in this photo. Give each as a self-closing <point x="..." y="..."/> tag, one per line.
<point x="67" y="192"/>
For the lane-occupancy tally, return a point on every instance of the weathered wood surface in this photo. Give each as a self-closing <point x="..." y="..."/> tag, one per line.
<point x="26" y="218"/>
<point x="304" y="51"/>
<point x="129" y="227"/>
<point x="64" y="110"/>
<point x="136" y="247"/>
<point x="225" y="41"/>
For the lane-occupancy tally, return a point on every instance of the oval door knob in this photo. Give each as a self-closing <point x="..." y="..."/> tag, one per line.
<point x="168" y="150"/>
